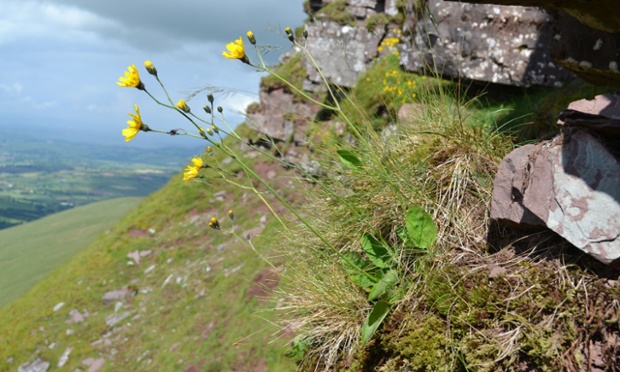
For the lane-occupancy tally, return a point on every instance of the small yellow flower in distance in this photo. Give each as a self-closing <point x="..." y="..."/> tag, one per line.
<point x="289" y="34"/>
<point x="251" y="38"/>
<point x="134" y="125"/>
<point x="214" y="223"/>
<point x="182" y="105"/>
<point x="131" y="79"/>
<point x="231" y="214"/>
<point x="236" y="51"/>
<point x="191" y="171"/>
<point x="150" y="68"/>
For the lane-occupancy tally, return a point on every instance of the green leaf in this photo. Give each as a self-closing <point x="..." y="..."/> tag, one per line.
<point x="376" y="316"/>
<point x="299" y="347"/>
<point x="376" y="252"/>
<point x="356" y="266"/>
<point x="420" y="227"/>
<point x="349" y="159"/>
<point x="382" y="287"/>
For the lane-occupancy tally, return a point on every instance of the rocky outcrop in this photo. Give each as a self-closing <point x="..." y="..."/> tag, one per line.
<point x="597" y="14"/>
<point x="569" y="184"/>
<point x="590" y="53"/>
<point x="490" y="43"/>
<point x="342" y="52"/>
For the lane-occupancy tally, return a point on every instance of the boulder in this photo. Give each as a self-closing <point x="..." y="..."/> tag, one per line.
<point x="342" y="52"/>
<point x="489" y="43"/>
<point x="590" y="53"/>
<point x="598" y="14"/>
<point x="37" y="365"/>
<point x="116" y="295"/>
<point x="569" y="184"/>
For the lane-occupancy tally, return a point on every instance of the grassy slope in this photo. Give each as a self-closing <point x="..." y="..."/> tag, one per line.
<point x="192" y="309"/>
<point x="30" y="251"/>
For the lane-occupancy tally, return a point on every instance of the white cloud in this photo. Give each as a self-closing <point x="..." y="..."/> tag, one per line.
<point x="44" y="105"/>
<point x="15" y="88"/>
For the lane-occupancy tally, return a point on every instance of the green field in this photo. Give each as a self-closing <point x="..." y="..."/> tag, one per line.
<point x="30" y="251"/>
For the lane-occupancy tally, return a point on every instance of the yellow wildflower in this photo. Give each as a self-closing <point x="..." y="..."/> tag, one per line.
<point x="251" y="38"/>
<point x="236" y="50"/>
<point x="191" y="171"/>
<point x="135" y="125"/>
<point x="182" y="105"/>
<point x="214" y="223"/>
<point x="231" y="214"/>
<point x="131" y="79"/>
<point x="150" y="68"/>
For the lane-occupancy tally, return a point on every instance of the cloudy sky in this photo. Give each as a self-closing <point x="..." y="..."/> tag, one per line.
<point x="60" y="61"/>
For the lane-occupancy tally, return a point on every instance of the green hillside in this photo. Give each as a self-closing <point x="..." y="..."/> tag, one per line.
<point x="31" y="251"/>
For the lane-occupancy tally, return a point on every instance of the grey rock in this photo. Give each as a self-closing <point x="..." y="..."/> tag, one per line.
<point x="590" y="53"/>
<point x="114" y="319"/>
<point x="116" y="295"/>
<point x="599" y="14"/>
<point x="489" y="43"/>
<point x="341" y="52"/>
<point x="37" y="365"/>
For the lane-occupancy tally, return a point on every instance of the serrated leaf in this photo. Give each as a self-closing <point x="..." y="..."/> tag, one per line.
<point x="376" y="316"/>
<point x="382" y="287"/>
<point x="420" y="227"/>
<point x="376" y="252"/>
<point x="356" y="266"/>
<point x="349" y="159"/>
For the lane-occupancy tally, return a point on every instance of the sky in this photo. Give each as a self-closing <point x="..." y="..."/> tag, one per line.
<point x="60" y="61"/>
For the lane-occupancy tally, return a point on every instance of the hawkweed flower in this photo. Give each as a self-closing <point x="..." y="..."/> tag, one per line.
<point x="135" y="125"/>
<point x="150" y="68"/>
<point x="214" y="223"/>
<point x="289" y="34"/>
<point x="231" y="214"/>
<point x="182" y="106"/>
<point x="236" y="50"/>
<point x="251" y="38"/>
<point x="215" y="128"/>
<point x="191" y="171"/>
<point x="201" y="131"/>
<point x="131" y="79"/>
<point x="209" y="131"/>
<point x="207" y="109"/>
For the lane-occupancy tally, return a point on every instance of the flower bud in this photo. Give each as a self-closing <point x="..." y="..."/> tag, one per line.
<point x="150" y="68"/>
<point x="231" y="214"/>
<point x="214" y="128"/>
<point x="305" y="34"/>
<point x="220" y="109"/>
<point x="210" y="97"/>
<point x="183" y="106"/>
<point x="214" y="223"/>
<point x="289" y="34"/>
<point x="251" y="38"/>
<point x="207" y="109"/>
<point x="209" y="131"/>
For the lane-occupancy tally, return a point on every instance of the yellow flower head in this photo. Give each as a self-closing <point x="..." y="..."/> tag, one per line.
<point x="251" y="38"/>
<point x="150" y="68"/>
<point x="235" y="50"/>
<point x="135" y="125"/>
<point x="182" y="105"/>
<point x="289" y="34"/>
<point x="214" y="223"/>
<point x="231" y="214"/>
<point x="131" y="79"/>
<point x="191" y="171"/>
